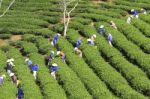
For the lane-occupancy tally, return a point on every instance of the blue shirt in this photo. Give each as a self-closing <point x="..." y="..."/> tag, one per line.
<point x="1" y="80"/>
<point x="29" y="62"/>
<point x="54" y="68"/>
<point x="35" y="68"/>
<point x="78" y="43"/>
<point x="135" y="12"/>
<point x="51" y="56"/>
<point x="91" y="43"/>
<point x="101" y="30"/>
<point x="110" y="37"/>
<point x="20" y="93"/>
<point x="56" y="37"/>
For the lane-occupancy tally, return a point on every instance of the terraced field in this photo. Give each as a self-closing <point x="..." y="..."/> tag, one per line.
<point x="104" y="72"/>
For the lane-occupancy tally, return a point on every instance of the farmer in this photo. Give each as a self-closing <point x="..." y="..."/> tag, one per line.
<point x="10" y="65"/>
<point x="129" y="20"/>
<point x="101" y="29"/>
<point x="20" y="93"/>
<point x="35" y="68"/>
<point x="13" y="78"/>
<point x="62" y="55"/>
<point x="2" y="79"/>
<point x="143" y="11"/>
<point x="29" y="62"/>
<point x="110" y="39"/>
<point x="54" y="69"/>
<point x="134" y="13"/>
<point x="93" y="37"/>
<point x="10" y="60"/>
<point x="78" y="51"/>
<point x="112" y="24"/>
<point x="55" y="39"/>
<point x="90" y="41"/>
<point x="51" y="56"/>
<point x="78" y="43"/>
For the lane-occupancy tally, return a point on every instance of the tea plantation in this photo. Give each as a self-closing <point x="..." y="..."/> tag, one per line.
<point x="104" y="72"/>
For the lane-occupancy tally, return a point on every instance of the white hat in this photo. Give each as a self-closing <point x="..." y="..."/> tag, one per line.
<point x="8" y="61"/>
<point x="101" y="26"/>
<point x="109" y="34"/>
<point x="4" y="75"/>
<point x="75" y="48"/>
<point x="132" y="10"/>
<point x="94" y="35"/>
<point x="54" y="64"/>
<point x="11" y="74"/>
<point x="58" y="52"/>
<point x="89" y="40"/>
<point x="58" y="34"/>
<point x="52" y="52"/>
<point x="12" y="59"/>
<point x="111" y="21"/>
<point x="27" y="59"/>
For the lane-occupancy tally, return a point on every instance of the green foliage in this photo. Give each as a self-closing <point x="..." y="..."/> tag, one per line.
<point x="5" y="36"/>
<point x="48" y="84"/>
<point x="104" y="69"/>
<point x="94" y="85"/>
<point x="24" y="75"/>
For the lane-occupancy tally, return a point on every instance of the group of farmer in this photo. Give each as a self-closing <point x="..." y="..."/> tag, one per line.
<point x="14" y="79"/>
<point x="90" y="41"/>
<point x="54" y="66"/>
<point x="134" y="14"/>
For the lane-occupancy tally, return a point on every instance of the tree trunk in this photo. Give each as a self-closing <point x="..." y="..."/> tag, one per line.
<point x="66" y="25"/>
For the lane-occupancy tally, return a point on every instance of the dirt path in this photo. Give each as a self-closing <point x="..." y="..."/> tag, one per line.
<point x="3" y="42"/>
<point x="13" y="38"/>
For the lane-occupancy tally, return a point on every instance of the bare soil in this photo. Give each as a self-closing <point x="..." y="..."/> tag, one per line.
<point x="13" y="38"/>
<point x="3" y="42"/>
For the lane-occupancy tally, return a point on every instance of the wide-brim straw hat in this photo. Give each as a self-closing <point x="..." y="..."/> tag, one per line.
<point x="58" y="34"/>
<point x="58" y="52"/>
<point x="27" y="59"/>
<point x="8" y="61"/>
<point x="102" y="26"/>
<point x="75" y="48"/>
<point x="89" y="40"/>
<point x="132" y="10"/>
<point x="11" y="74"/>
<point x="12" y="59"/>
<point x="94" y="35"/>
<point x="54" y="64"/>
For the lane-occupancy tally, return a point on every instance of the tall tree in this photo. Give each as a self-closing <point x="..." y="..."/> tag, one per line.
<point x="65" y="7"/>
